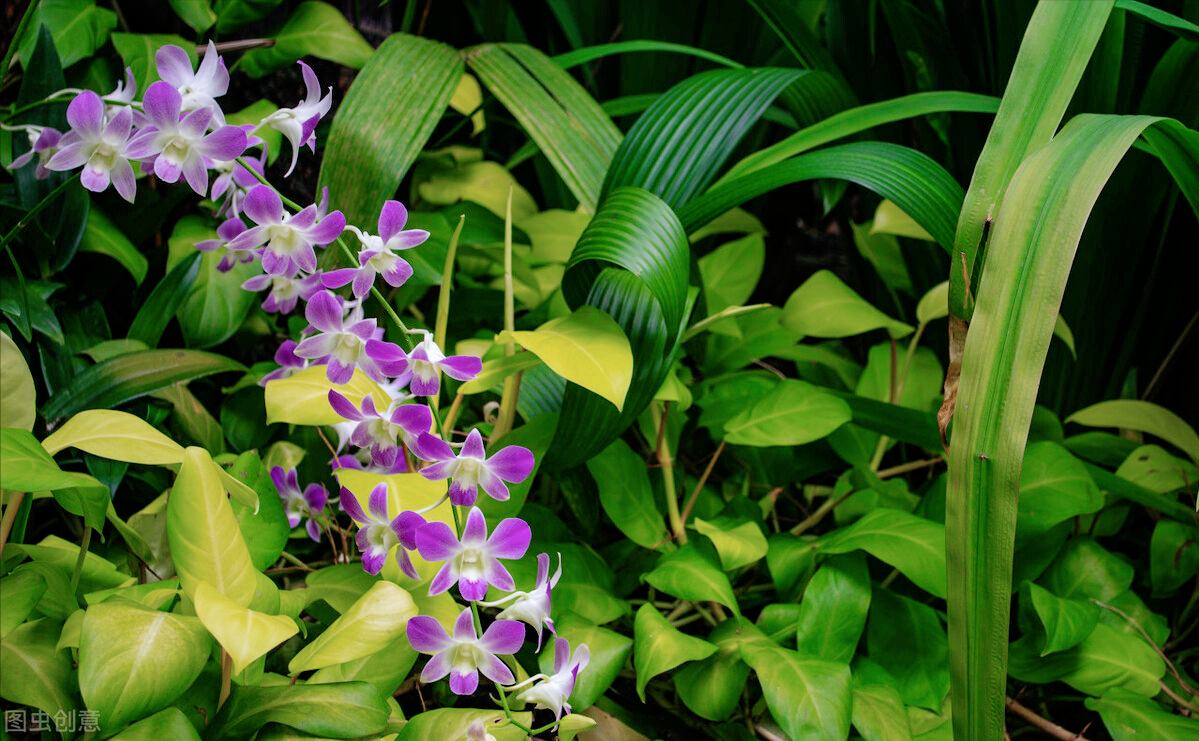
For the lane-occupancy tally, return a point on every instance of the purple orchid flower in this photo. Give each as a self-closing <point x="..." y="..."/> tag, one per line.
<point x="473" y="562"/>
<point x="198" y="89"/>
<point x="235" y="181"/>
<point x="300" y="504"/>
<point x="377" y="256"/>
<point x="226" y="232"/>
<point x="102" y="147"/>
<point x="379" y="432"/>
<point x="427" y="361"/>
<point x="533" y="607"/>
<point x="289" y="239"/>
<point x="43" y="143"/>
<point x="362" y="461"/>
<point x="285" y="291"/>
<point x="552" y="693"/>
<point x="177" y="146"/>
<point x="347" y="345"/>
<point x="289" y="363"/>
<point x="471" y="469"/>
<point x="377" y="535"/>
<point x="298" y="124"/>
<point x="464" y="655"/>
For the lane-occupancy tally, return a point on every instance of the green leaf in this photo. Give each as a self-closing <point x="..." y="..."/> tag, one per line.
<point x="1106" y="659"/>
<point x="1064" y="623"/>
<point x="137" y="51"/>
<point x="340" y="585"/>
<point x="244" y="633"/>
<point x="825" y="307"/>
<point x="587" y="348"/>
<point x="737" y="543"/>
<point x="693" y="573"/>
<point x="1170" y="22"/>
<point x="791" y="561"/>
<point x="109" y="349"/>
<point x="1129" y="717"/>
<point x="934" y="304"/>
<point x="1054" y="487"/>
<point x="134" y="661"/>
<point x="711" y="688"/>
<point x="889" y="219"/>
<point x="1173" y="556"/>
<point x="1151" y="467"/>
<point x="609" y="650"/>
<point x="215" y="305"/>
<point x="103" y="237"/>
<point x="27" y="467"/>
<point x="453" y="723"/>
<point x="79" y="28"/>
<point x="883" y="252"/>
<point x="266" y="531"/>
<point x="1142" y="416"/>
<point x="809" y="698"/>
<point x="793" y="413"/>
<point x="659" y="647"/>
<point x="909" y="543"/>
<point x="194" y="421"/>
<point x="921" y="389"/>
<point x="385" y="121"/>
<point x="878" y="713"/>
<point x="206" y="543"/>
<point x="36" y="672"/>
<point x="385" y="668"/>
<point x="195" y="13"/>
<point x="303" y="398"/>
<point x="346" y="710"/>
<point x="731" y="272"/>
<point x="906" y="638"/>
<point x="17" y="393"/>
<point x="497" y="369"/>
<point x="486" y="183"/>
<point x="833" y="612"/>
<point x="170" y="723"/>
<point x="19" y="594"/>
<point x="314" y="29"/>
<point x="378" y="618"/>
<point x="566" y="123"/>
<point x="746" y="339"/>
<point x="1084" y="569"/>
<point x="118" y="436"/>
<point x="626" y="496"/>
<point x="582" y="56"/>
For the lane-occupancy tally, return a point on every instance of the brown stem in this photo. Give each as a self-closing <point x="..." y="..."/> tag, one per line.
<point x="700" y="486"/>
<point x="1161" y="369"/>
<point x="814" y="519"/>
<point x="1052" y="729"/>
<point x="10" y="516"/>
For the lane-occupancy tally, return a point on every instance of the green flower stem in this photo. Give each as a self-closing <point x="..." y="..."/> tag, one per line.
<point x="83" y="546"/>
<point x="666" y="461"/>
<point x="37" y="209"/>
<point x="503" y="424"/>
<point x="10" y="516"/>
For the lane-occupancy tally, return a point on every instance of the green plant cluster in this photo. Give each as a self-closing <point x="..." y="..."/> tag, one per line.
<point x="936" y="485"/>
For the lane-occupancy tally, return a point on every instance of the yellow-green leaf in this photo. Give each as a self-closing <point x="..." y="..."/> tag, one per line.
<point x="1142" y="416"/>
<point x="660" y="647"/>
<point x="934" y="304"/>
<point x="737" y="545"/>
<point x="468" y="100"/>
<point x="793" y="413"/>
<point x="554" y="233"/>
<point x="378" y="617"/>
<point x="486" y="183"/>
<point x="825" y="307"/>
<point x="588" y="347"/>
<point x="244" y="633"/>
<point x="17" y="394"/>
<point x="890" y="219"/>
<point x="303" y="399"/>
<point x="118" y="436"/>
<point x="496" y="370"/>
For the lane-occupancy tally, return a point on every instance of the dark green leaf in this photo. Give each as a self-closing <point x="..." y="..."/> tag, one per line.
<point x="344" y="710"/>
<point x="833" y="612"/>
<point x="808" y="697"/>
<point x="1064" y="623"/>
<point x="313" y="29"/>
<point x="626" y="496"/>
<point x="907" y="639"/>
<point x="164" y="301"/>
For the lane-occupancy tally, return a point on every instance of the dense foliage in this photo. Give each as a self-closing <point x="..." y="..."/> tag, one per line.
<point x="486" y="370"/>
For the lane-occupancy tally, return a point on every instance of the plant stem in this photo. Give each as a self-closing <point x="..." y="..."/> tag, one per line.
<point x="24" y="220"/>
<point x="12" y="44"/>
<point x="703" y="479"/>
<point x="10" y="516"/>
<point x="1052" y="729"/>
<point x="226" y="677"/>
<point x="83" y="545"/>
<point x="666" y="461"/>
<point x="507" y="412"/>
<point x="814" y="519"/>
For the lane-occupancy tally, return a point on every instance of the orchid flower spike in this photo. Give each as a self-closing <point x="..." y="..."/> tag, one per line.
<point x="289" y="363"/>
<point x="553" y="692"/>
<point x="533" y="607"/>
<point x="298" y="125"/>
<point x="300" y="504"/>
<point x="289" y="238"/>
<point x="427" y="361"/>
<point x="377" y="256"/>
<point x="381" y="432"/>
<point x="377" y="535"/>
<point x="198" y="89"/>
<point x="470" y="468"/>
<point x="473" y="562"/>
<point x="346" y="345"/>
<point x="464" y="655"/>
<point x="43" y="142"/>
<point x="286" y="291"/>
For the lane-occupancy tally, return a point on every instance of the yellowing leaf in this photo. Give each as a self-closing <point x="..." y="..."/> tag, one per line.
<point x="242" y="632"/>
<point x="377" y="619"/>
<point x="486" y="183"/>
<point x="17" y="395"/>
<point x="890" y="219"/>
<point x="303" y="399"/>
<point x="554" y="233"/>
<point x="468" y="100"/>
<point x="119" y="436"/>
<point x="825" y="307"/>
<point x="588" y="347"/>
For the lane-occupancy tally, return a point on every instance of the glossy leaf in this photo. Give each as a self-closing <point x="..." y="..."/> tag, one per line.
<point x="1173" y="556"/>
<point x="587" y="348"/>
<point x="313" y="29"/>
<point x="793" y="413"/>
<point x="346" y="710"/>
<point x="265" y="530"/>
<point x="711" y="688"/>
<point x="19" y="594"/>
<point x="134" y="661"/>
<point x="1129" y="717"/>
<point x="878" y="713"/>
<point x="909" y="543"/>
<point x="115" y="435"/>
<point x="378" y="618"/>
<point x="1084" y="569"/>
<point x="303" y="398"/>
<point x="27" y="467"/>
<point x="340" y="585"/>
<point x="79" y="29"/>
<point x="1143" y="416"/>
<point x="1064" y="622"/>
<point x="693" y="572"/>
<point x="244" y="633"/>
<point x="934" y="304"/>
<point x="833" y="612"/>
<point x="454" y="722"/>
<point x="536" y="436"/>
<point x="169" y="723"/>
<point x="215" y="305"/>
<point x="385" y="669"/>
<point x="907" y="639"/>
<point x="164" y="301"/>
<point x="609" y="650"/>
<point x="1054" y="487"/>
<point x="660" y="647"/>
<point x="737" y="543"/>
<point x="825" y="307"/>
<point x="206" y="543"/>
<point x="626" y="496"/>
<point x="809" y="698"/>
<point x="17" y="393"/>
<point x="731" y="272"/>
<point x="883" y="251"/>
<point x="36" y="672"/>
<point x="1106" y="659"/>
<point x="101" y="236"/>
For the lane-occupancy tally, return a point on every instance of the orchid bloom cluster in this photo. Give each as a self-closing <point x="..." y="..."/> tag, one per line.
<point x="178" y="132"/>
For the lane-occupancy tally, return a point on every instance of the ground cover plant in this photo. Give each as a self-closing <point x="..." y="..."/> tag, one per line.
<point x="599" y="370"/>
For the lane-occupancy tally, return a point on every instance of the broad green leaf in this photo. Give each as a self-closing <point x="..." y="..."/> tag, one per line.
<point x="793" y="413"/>
<point x="554" y="233"/>
<point x="1106" y="659"/>
<point x="906" y="638"/>
<point x="346" y="710"/>
<point x="833" y="612"/>
<point x="121" y="379"/>
<point x="1142" y="416"/>
<point x="137" y="51"/>
<point x="1084" y="569"/>
<point x="497" y="369"/>
<point x="79" y="28"/>
<point x="736" y="392"/>
<point x="313" y="29"/>
<point x="19" y="594"/>
<point x="25" y="466"/>
<point x="882" y="250"/>
<point x="737" y="543"/>
<point x="195" y="13"/>
<point x="791" y="562"/>
<point x="206" y="543"/>
<point x="1131" y="604"/>
<point x="566" y="123"/>
<point x="486" y="183"/>
<point x="134" y="661"/>
<point x="587" y="348"/>
<point x="825" y="307"/>
<point x="693" y="572"/>
<point x="453" y="723"/>
<point x="103" y="237"/>
<point x="385" y="121"/>
<point x="1173" y="556"/>
<point x="341" y="585"/>
<point x="626" y="496"/>
<point x="748" y="338"/>
<point x="17" y="393"/>
<point x="193" y="419"/>
<point x="215" y="306"/>
<point x="62" y="556"/>
<point x="303" y="398"/>
<point x="166" y="298"/>
<point x="921" y="388"/>
<point x="1151" y="467"/>
<point x="36" y="672"/>
<point x="878" y="713"/>
<point x="1129" y="717"/>
<point x="934" y="304"/>
<point x="1064" y="622"/>
<point x="660" y="647"/>
<point x="890" y="219"/>
<point x="379" y="617"/>
<point x="809" y="698"/>
<point x="1054" y="487"/>
<point x="169" y="723"/>
<point x="265" y="530"/>
<point x="909" y="543"/>
<point x="115" y="435"/>
<point x="109" y="349"/>
<point x="609" y="650"/>
<point x="244" y="633"/>
<point x="711" y="688"/>
<point x="572" y="725"/>
<point x="731" y="272"/>
<point x="385" y="668"/>
<point x="717" y="324"/>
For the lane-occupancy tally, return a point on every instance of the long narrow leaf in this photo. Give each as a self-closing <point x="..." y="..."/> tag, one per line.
<point x="591" y="53"/>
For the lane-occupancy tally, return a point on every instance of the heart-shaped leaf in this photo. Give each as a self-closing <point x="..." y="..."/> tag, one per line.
<point x="659" y="647"/>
